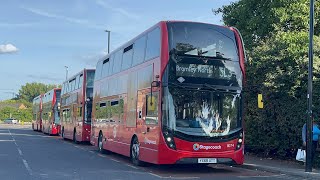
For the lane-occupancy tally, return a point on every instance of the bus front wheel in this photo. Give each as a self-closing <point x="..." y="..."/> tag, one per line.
<point x="100" y="144"/>
<point x="135" y="152"/>
<point x="75" y="137"/>
<point x="62" y="133"/>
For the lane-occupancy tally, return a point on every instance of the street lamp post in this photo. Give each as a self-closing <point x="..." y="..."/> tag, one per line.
<point x="66" y="72"/>
<point x="108" y="40"/>
<point x="308" y="167"/>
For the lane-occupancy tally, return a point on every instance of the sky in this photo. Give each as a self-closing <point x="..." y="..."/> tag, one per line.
<point x="38" y="38"/>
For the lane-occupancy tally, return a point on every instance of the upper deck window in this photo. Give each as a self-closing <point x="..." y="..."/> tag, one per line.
<point x="117" y="62"/>
<point x="127" y="57"/>
<point x="202" y="40"/>
<point x="153" y="44"/>
<point x="139" y="50"/>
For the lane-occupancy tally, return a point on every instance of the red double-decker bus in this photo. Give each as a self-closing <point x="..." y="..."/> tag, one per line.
<point x="36" y="111"/>
<point x="172" y="95"/>
<point x="76" y="106"/>
<point x="50" y="112"/>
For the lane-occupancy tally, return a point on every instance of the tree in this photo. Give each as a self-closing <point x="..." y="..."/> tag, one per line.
<point x="32" y="90"/>
<point x="20" y="114"/>
<point x="276" y="38"/>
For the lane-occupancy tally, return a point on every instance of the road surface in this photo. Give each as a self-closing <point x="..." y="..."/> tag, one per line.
<point x="25" y="154"/>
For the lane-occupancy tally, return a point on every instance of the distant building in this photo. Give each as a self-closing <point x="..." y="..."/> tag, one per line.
<point x="14" y="105"/>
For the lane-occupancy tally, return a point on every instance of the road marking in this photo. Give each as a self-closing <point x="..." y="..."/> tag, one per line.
<point x="131" y="166"/>
<point x="27" y="167"/>
<point x="102" y="155"/>
<point x="20" y="152"/>
<point x="114" y="160"/>
<point x="9" y="140"/>
<point x="156" y="175"/>
<point x="170" y="177"/>
<point x="80" y="148"/>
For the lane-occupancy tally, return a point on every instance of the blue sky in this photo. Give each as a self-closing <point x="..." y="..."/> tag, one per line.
<point x="39" y="37"/>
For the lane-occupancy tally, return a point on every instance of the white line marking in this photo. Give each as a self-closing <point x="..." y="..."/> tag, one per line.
<point x="9" y="140"/>
<point x="27" y="167"/>
<point x="114" y="160"/>
<point x="170" y="177"/>
<point x="20" y="152"/>
<point x="102" y="155"/>
<point x="131" y="166"/>
<point x="80" y="148"/>
<point x="152" y="174"/>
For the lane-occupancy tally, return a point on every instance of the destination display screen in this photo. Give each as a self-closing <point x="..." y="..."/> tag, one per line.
<point x="203" y="71"/>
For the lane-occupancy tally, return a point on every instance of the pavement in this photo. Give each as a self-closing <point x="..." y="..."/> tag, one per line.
<point x="292" y="168"/>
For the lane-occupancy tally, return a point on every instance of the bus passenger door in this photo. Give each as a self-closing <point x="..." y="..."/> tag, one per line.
<point x="147" y="123"/>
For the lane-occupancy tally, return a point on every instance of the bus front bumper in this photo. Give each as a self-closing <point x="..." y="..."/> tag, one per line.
<point x="170" y="156"/>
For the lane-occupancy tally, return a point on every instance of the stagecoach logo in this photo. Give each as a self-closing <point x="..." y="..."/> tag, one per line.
<point x="197" y="146"/>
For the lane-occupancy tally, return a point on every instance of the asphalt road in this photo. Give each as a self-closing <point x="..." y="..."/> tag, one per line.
<point x="25" y="154"/>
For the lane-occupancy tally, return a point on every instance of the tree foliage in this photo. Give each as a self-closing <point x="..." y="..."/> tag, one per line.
<point x="26" y="94"/>
<point x="276" y="38"/>
<point x="20" y="114"/>
<point x="31" y="90"/>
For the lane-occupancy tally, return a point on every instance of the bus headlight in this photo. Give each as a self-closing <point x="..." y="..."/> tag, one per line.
<point x="169" y="140"/>
<point x="240" y="140"/>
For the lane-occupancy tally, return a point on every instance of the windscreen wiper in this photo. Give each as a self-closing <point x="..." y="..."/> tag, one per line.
<point x="201" y="56"/>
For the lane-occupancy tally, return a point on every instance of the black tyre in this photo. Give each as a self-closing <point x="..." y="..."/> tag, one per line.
<point x="100" y="143"/>
<point x="135" y="152"/>
<point x="75" y="138"/>
<point x="62" y="133"/>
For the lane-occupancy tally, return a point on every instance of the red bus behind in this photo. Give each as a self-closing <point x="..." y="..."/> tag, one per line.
<point x="76" y="106"/>
<point x="50" y="112"/>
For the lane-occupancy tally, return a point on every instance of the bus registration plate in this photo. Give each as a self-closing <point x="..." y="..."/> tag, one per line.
<point x="207" y="160"/>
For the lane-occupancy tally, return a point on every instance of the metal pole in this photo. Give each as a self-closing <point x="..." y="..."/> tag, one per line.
<point x="310" y="78"/>
<point x="66" y="72"/>
<point x="108" y="40"/>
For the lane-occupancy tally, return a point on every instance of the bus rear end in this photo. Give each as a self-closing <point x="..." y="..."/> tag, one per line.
<point x="202" y="102"/>
<point x="55" y="127"/>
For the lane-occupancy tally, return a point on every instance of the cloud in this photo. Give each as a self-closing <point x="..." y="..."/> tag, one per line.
<point x="65" y="18"/>
<point x="45" y="77"/>
<point x="118" y="10"/>
<point x="17" y="25"/>
<point x="92" y="59"/>
<point x="8" y="48"/>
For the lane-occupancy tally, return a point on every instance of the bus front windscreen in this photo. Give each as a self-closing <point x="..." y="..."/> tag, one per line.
<point x="202" y="84"/>
<point x="201" y="112"/>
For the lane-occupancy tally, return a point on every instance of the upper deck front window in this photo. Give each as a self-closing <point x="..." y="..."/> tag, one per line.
<point x="197" y="39"/>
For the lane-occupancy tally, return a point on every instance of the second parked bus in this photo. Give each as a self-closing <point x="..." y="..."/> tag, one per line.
<point x="76" y="106"/>
<point x="50" y="112"/>
<point x="173" y="95"/>
<point x="36" y="111"/>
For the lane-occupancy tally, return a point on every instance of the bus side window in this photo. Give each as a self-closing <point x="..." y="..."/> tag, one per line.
<point x="153" y="44"/>
<point x="139" y="47"/>
<point x="152" y="108"/>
